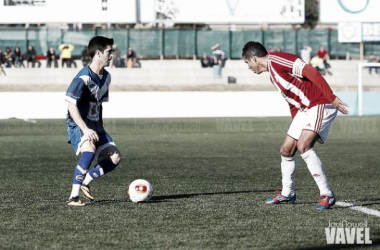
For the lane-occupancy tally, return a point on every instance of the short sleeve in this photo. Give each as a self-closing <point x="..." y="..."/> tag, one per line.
<point x="75" y="91"/>
<point x="298" y="66"/>
<point x="105" y="97"/>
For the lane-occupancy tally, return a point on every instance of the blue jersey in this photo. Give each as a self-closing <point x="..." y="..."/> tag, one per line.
<point x="88" y="91"/>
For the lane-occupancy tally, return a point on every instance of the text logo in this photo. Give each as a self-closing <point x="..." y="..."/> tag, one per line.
<point x="348" y="233"/>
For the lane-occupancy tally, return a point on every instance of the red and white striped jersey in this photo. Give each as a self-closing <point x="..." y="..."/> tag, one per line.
<point x="288" y="76"/>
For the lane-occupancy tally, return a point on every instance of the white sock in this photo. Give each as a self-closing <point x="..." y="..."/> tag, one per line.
<point x="288" y="170"/>
<point x="316" y="169"/>
<point x="87" y="179"/>
<point x="75" y="190"/>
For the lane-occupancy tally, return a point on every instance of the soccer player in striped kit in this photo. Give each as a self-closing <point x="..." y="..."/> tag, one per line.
<point x="313" y="107"/>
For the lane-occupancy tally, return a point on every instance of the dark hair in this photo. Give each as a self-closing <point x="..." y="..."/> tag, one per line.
<point x="254" y="49"/>
<point x="98" y="43"/>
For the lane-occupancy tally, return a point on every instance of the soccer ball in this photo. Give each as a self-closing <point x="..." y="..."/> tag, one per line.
<point x="140" y="190"/>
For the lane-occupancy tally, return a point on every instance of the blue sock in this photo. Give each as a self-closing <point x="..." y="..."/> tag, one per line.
<point x="82" y="167"/>
<point x="102" y="168"/>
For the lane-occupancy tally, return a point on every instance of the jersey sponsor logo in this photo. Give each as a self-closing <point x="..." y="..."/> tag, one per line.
<point x="94" y="111"/>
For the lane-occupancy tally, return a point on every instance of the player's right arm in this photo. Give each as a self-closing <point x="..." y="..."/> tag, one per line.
<point x="73" y="95"/>
<point x="75" y="114"/>
<point x="313" y="75"/>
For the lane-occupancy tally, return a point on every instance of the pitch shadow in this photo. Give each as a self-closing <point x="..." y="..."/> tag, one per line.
<point x="186" y="196"/>
<point x="107" y="202"/>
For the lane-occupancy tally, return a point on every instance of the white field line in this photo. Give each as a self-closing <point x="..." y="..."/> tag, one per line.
<point x="358" y="208"/>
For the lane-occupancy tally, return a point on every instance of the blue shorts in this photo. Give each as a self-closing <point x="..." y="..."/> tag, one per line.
<point x="76" y="139"/>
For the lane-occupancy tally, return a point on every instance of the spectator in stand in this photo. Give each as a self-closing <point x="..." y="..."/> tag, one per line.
<point x="66" y="56"/>
<point x="2" y="70"/>
<point x="205" y="61"/>
<point x="1" y="63"/>
<point x="116" y="59"/>
<point x="51" y="58"/>
<point x="305" y="54"/>
<point x="8" y="56"/>
<point x="31" y="56"/>
<point x="324" y="55"/>
<point x="317" y="63"/>
<point x="131" y="58"/>
<point x="18" y="57"/>
<point x="86" y="59"/>
<point x="1" y="57"/>
<point x="218" y="60"/>
<point x="373" y="59"/>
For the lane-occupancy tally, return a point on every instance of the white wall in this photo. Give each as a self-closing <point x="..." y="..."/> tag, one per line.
<point x="46" y="105"/>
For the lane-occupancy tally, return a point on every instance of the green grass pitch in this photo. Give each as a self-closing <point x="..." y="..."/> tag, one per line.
<point x="210" y="178"/>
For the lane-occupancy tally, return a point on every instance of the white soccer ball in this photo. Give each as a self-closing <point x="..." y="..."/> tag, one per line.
<point x="140" y="190"/>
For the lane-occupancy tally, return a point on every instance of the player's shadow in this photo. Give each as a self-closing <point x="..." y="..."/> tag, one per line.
<point x="98" y="202"/>
<point x="162" y="198"/>
<point x="168" y="198"/>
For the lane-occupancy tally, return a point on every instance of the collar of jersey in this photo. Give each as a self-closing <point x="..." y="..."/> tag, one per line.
<point x="96" y="79"/>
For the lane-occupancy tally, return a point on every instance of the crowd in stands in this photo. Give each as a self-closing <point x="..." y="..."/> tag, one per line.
<point x="318" y="61"/>
<point x="130" y="60"/>
<point x="372" y="58"/>
<point x="16" y="58"/>
<point x="216" y="61"/>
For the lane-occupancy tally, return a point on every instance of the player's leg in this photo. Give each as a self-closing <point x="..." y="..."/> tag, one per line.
<point x="108" y="157"/>
<point x="288" y="171"/>
<point x="288" y="161"/>
<point x="80" y="144"/>
<point x="84" y="163"/>
<point x="288" y="165"/>
<point x="321" y="118"/>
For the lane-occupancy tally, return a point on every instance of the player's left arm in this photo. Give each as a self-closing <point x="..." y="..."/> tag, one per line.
<point x="313" y="75"/>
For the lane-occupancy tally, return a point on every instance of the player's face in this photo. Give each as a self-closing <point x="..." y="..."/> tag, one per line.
<point x="253" y="65"/>
<point x="106" y="56"/>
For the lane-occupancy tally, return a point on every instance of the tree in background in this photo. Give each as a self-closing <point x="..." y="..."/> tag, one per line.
<point x="311" y="14"/>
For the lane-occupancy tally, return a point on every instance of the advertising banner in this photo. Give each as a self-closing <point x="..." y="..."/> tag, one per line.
<point x="350" y="32"/>
<point x="371" y="32"/>
<point x="67" y="11"/>
<point x="223" y="11"/>
<point x="335" y="11"/>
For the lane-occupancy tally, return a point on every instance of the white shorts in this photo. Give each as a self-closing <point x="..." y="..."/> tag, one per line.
<point x="318" y="119"/>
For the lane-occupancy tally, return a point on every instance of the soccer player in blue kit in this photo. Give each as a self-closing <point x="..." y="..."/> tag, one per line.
<point x="84" y="122"/>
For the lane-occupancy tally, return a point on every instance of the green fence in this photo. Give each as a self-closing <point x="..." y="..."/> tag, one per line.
<point x="183" y="43"/>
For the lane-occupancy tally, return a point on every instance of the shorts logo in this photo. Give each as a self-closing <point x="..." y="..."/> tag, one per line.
<point x="95" y="175"/>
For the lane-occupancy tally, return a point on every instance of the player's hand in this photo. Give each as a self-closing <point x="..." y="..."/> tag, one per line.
<point x="341" y="106"/>
<point x="91" y="134"/>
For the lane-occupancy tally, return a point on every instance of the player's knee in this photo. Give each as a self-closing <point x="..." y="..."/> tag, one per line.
<point x="116" y="159"/>
<point x="286" y="152"/>
<point x="302" y="147"/>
